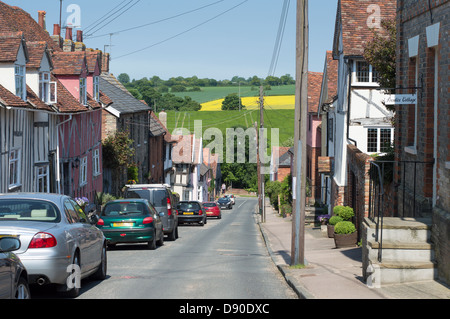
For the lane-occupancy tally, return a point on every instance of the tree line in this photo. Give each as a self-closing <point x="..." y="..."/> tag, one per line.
<point x="158" y="92"/>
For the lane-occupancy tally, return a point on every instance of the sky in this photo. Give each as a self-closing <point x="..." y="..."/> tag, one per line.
<point x="215" y="39"/>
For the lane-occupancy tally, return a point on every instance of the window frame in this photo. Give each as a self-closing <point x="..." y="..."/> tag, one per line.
<point x="42" y="178"/>
<point x="379" y="132"/>
<point x="96" y="162"/>
<point x="83" y="91"/>
<point x="20" y="81"/>
<point x="373" y="74"/>
<point x="15" y="164"/>
<point x="83" y="171"/>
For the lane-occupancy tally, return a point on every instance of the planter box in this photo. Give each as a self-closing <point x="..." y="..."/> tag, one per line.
<point x="330" y="230"/>
<point x="345" y="240"/>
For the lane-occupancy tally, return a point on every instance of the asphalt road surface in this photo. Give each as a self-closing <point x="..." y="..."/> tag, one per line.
<point x="224" y="259"/>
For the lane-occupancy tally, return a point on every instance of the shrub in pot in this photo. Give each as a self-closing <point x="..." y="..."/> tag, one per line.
<point x="345" y="234"/>
<point x="331" y="222"/>
<point x="345" y="212"/>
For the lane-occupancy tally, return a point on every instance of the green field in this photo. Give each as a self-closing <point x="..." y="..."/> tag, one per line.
<point x="214" y="93"/>
<point x="281" y="119"/>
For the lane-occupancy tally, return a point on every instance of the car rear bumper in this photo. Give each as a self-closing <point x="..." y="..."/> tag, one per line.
<point x="53" y="270"/>
<point x="128" y="235"/>
<point x="190" y="219"/>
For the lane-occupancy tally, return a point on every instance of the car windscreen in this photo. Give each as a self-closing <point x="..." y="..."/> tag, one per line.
<point x="186" y="206"/>
<point x="129" y="209"/>
<point x="29" y="210"/>
<point x="209" y="204"/>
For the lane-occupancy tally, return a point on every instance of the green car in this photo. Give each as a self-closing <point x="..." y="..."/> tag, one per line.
<point x="131" y="221"/>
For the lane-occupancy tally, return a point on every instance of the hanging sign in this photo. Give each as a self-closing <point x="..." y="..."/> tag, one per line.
<point x="400" y="99"/>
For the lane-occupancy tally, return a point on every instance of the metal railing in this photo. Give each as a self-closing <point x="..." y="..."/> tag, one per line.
<point x="381" y="173"/>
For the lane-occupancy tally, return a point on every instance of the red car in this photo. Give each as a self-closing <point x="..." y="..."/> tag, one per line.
<point x="212" y="210"/>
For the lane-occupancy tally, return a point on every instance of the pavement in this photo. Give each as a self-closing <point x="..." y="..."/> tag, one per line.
<point x="332" y="273"/>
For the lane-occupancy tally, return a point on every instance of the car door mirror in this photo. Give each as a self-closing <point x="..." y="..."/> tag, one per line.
<point x="8" y="244"/>
<point x="93" y="219"/>
<point x="161" y="214"/>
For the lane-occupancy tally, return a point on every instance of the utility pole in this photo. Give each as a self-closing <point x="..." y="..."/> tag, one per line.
<point x="301" y="103"/>
<point x="260" y="170"/>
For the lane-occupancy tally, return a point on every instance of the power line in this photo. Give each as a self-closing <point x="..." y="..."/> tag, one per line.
<point x="123" y="12"/>
<point x="86" y="28"/>
<point x="279" y="38"/>
<point x="181" y="33"/>
<point x="158" y="21"/>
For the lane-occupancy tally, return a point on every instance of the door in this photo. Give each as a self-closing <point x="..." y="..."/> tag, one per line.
<point x="5" y="276"/>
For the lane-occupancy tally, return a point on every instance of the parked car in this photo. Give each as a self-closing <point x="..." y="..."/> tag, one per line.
<point x="191" y="212"/>
<point x="131" y="221"/>
<point x="212" y="210"/>
<point x="13" y="275"/>
<point x="161" y="197"/>
<point x="225" y="202"/>
<point x="231" y="197"/>
<point x="59" y="244"/>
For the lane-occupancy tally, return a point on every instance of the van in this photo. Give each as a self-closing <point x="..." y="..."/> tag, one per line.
<point x="162" y="199"/>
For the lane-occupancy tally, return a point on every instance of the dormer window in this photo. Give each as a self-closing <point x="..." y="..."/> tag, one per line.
<point x="83" y="91"/>
<point x="47" y="89"/>
<point x="96" y="88"/>
<point x="19" y="72"/>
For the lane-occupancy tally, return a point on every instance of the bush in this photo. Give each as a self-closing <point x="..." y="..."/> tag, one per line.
<point x="344" y="227"/>
<point x="334" y="220"/>
<point x="345" y="212"/>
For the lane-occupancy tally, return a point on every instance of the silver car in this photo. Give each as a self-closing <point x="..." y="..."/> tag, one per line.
<point x="59" y="243"/>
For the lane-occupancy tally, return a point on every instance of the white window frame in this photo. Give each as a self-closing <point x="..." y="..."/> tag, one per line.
<point x="96" y="162"/>
<point x="21" y="86"/>
<point x="15" y="159"/>
<point x="42" y="179"/>
<point x="355" y="81"/>
<point x="83" y="171"/>
<point x="47" y="88"/>
<point x="83" y="91"/>
<point x="378" y="138"/>
<point x="96" y="88"/>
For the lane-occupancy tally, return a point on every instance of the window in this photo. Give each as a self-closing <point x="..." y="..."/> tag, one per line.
<point x="14" y="168"/>
<point x="330" y="129"/>
<point x="19" y="72"/>
<point x="372" y="138"/>
<point x="83" y="92"/>
<point x="47" y="89"/>
<point x="83" y="171"/>
<point x="96" y="162"/>
<point x="42" y="179"/>
<point x="379" y="140"/>
<point x="97" y="88"/>
<point x="365" y="73"/>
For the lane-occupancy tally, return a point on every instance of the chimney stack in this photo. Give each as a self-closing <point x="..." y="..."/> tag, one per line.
<point x="68" y="45"/>
<point x="79" y="45"/>
<point x="105" y="62"/>
<point x="79" y="36"/>
<point x="57" y="35"/>
<point x="41" y="15"/>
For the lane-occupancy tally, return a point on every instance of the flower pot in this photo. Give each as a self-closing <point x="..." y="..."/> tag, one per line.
<point x="330" y="230"/>
<point x="345" y="240"/>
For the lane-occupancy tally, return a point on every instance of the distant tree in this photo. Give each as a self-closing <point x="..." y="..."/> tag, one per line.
<point x="123" y="78"/>
<point x="232" y="102"/>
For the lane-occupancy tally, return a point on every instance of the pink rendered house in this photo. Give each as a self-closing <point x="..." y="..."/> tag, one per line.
<point x="79" y="133"/>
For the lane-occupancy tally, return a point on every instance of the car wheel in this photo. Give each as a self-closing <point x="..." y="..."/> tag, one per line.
<point x="152" y="243"/>
<point x="161" y="239"/>
<point x="100" y="274"/>
<point x="22" y="289"/>
<point x="75" y="291"/>
<point x="173" y="234"/>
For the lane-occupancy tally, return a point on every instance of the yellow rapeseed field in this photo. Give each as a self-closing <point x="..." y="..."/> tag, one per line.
<point x="252" y="103"/>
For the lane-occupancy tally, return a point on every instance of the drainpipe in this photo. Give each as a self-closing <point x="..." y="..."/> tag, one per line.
<point x="58" y="173"/>
<point x="349" y="101"/>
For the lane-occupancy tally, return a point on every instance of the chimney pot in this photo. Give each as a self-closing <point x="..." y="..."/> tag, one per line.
<point x="41" y="21"/>
<point x="79" y="36"/>
<point x="68" y="33"/>
<point x="56" y="29"/>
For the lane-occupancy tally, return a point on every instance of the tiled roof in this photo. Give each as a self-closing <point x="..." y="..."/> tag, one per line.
<point x="332" y="76"/>
<point x="69" y="63"/>
<point x="123" y="101"/>
<point x="167" y="135"/>
<point x="66" y="103"/>
<point x="356" y="17"/>
<point x="92" y="57"/>
<point x="36" y="102"/>
<point x="314" y="88"/>
<point x="9" y="45"/>
<point x="10" y="100"/>
<point x="36" y="51"/>
<point x="13" y="19"/>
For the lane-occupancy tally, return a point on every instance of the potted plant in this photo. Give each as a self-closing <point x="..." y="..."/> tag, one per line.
<point x="323" y="219"/>
<point x="331" y="223"/>
<point x="345" y="234"/>
<point x="345" y="212"/>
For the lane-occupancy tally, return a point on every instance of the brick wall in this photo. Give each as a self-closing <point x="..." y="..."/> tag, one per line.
<point x="413" y="17"/>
